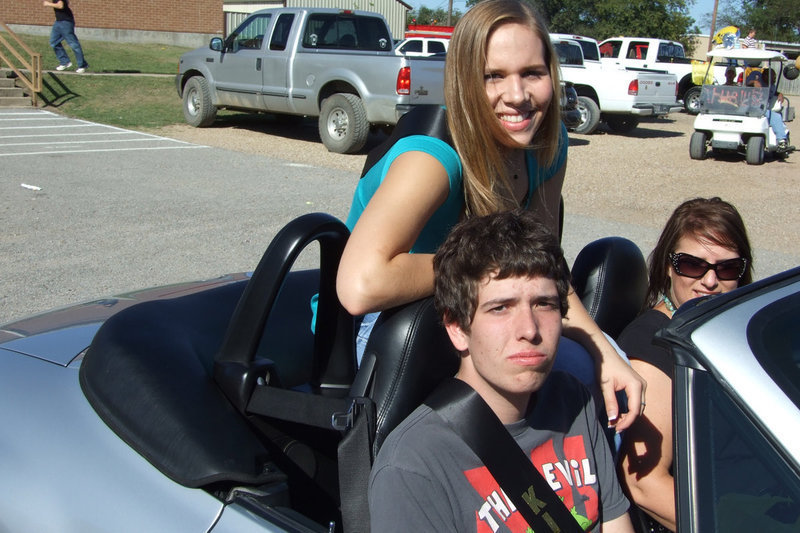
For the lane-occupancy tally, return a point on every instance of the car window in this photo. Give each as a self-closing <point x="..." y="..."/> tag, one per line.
<point x="610" y="48"/>
<point x="569" y="53"/>
<point x="774" y="336"/>
<point x="742" y="482"/>
<point x="250" y="34"/>
<point x="670" y="50"/>
<point x="411" y="46"/>
<point x="346" y="32"/>
<point x="638" y="50"/>
<point x="436" y="47"/>
<point x="280" y="35"/>
<point x="590" y="50"/>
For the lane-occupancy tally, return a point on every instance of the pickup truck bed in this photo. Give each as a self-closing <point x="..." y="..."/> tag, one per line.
<point x="612" y="94"/>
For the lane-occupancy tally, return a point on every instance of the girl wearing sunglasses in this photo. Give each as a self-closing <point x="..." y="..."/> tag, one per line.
<point x="703" y="250"/>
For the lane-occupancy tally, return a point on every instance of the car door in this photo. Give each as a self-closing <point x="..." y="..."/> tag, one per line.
<point x="276" y="81"/>
<point x="238" y="73"/>
<point x="737" y="409"/>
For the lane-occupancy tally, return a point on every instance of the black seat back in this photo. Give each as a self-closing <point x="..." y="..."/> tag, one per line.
<point x="610" y="276"/>
<point x="407" y="356"/>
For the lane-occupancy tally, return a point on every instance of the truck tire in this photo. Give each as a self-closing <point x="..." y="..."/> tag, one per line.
<point x="590" y="115"/>
<point x="622" y="123"/>
<point x="697" y="145"/>
<point x="755" y="150"/>
<point x="343" y="125"/>
<point x="197" y="107"/>
<point x="691" y="100"/>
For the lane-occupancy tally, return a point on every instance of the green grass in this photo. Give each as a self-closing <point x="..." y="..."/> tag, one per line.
<point x="129" y="98"/>
<point x="113" y="57"/>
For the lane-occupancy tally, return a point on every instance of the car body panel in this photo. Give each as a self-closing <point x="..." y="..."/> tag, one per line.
<point x="111" y="487"/>
<point x="737" y="456"/>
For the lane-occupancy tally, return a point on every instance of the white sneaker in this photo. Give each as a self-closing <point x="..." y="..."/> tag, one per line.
<point x="80" y="70"/>
<point x="64" y="67"/>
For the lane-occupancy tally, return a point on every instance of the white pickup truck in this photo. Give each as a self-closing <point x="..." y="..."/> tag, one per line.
<point x="661" y="55"/>
<point x="338" y="65"/>
<point x="613" y="94"/>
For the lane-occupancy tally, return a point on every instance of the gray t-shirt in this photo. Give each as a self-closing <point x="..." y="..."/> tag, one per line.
<point x="426" y="478"/>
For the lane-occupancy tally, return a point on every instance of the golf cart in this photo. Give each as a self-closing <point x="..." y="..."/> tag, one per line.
<point x="734" y="117"/>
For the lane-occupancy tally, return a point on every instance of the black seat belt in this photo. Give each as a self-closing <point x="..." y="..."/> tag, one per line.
<point x="468" y="415"/>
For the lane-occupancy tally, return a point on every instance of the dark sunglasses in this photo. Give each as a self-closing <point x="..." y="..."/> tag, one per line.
<point x="694" y="267"/>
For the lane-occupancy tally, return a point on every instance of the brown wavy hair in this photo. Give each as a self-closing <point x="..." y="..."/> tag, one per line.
<point x="711" y="219"/>
<point x="479" y="139"/>
<point x="503" y="245"/>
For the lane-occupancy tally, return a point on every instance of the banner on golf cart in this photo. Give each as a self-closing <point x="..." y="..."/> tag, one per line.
<point x="703" y="72"/>
<point x="733" y="100"/>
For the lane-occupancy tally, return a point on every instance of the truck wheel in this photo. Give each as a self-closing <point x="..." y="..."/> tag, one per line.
<point x="697" y="145"/>
<point x="622" y="123"/>
<point x="755" y="150"/>
<point x="197" y="107"/>
<point x="343" y="125"/>
<point x="590" y="115"/>
<point x="691" y="100"/>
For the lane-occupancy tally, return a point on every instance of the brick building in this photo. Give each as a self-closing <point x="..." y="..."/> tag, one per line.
<point x="166" y="21"/>
<point x="162" y="21"/>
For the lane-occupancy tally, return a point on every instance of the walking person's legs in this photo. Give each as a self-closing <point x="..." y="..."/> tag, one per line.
<point x="72" y="41"/>
<point x="56" y="38"/>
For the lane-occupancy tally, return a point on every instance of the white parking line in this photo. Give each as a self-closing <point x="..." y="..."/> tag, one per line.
<point x="105" y="150"/>
<point x="43" y="125"/>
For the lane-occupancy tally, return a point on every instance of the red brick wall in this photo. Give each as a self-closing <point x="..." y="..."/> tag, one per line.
<point x="197" y="16"/>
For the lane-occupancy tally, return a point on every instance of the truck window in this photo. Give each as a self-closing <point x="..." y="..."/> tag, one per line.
<point x="346" y="32"/>
<point x="436" y="47"/>
<point x="412" y="46"/>
<point x="280" y="35"/>
<point x="637" y="50"/>
<point x="590" y="50"/>
<point x="610" y="48"/>
<point x="569" y="53"/>
<point x="667" y="51"/>
<point x="250" y="33"/>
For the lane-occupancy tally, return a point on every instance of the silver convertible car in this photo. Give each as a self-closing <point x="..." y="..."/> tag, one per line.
<point x="212" y="407"/>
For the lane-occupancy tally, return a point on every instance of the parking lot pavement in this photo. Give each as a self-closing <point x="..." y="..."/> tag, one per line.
<point x="35" y="132"/>
<point x="88" y="216"/>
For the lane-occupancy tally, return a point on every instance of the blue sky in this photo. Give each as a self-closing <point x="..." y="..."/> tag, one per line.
<point x="700" y="8"/>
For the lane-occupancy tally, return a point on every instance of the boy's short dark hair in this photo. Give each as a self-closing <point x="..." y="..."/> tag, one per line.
<point x="506" y="244"/>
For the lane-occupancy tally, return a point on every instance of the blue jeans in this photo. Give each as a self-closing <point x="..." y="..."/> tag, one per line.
<point x="64" y="30"/>
<point x="777" y="125"/>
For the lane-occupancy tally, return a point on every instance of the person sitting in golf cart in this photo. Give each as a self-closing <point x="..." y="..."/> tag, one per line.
<point x="775" y="113"/>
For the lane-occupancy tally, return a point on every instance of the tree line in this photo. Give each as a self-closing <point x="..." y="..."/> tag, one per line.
<point x="777" y="20"/>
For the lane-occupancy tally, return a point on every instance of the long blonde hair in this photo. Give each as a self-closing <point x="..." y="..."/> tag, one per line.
<point x="479" y="139"/>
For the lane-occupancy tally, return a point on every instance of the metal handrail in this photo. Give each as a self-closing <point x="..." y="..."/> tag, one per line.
<point x="30" y="70"/>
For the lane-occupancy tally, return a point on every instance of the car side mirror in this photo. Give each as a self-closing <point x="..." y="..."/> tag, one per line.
<point x="216" y="44"/>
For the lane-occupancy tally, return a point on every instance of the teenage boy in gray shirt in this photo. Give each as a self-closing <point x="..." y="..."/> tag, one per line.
<point x="501" y="287"/>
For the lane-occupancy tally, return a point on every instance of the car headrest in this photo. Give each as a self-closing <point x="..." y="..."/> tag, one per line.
<point x="610" y="277"/>
<point x="407" y="356"/>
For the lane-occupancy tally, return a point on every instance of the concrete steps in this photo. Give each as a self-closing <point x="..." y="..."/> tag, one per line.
<point x="10" y="94"/>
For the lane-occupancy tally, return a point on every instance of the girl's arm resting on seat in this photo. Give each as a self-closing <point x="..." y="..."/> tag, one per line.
<point x="647" y="447"/>
<point x="377" y="271"/>
<point x="614" y="374"/>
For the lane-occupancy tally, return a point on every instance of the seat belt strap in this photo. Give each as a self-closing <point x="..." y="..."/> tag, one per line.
<point x="471" y="418"/>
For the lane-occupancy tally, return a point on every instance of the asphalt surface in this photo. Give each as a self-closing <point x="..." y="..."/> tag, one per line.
<point x="89" y="211"/>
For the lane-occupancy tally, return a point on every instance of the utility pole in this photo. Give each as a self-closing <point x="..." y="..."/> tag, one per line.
<point x="713" y="25"/>
<point x="450" y="12"/>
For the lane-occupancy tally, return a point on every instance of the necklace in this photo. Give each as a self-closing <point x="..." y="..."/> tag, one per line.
<point x="669" y="304"/>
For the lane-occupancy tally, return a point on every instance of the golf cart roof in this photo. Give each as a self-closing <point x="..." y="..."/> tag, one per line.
<point x="746" y="54"/>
